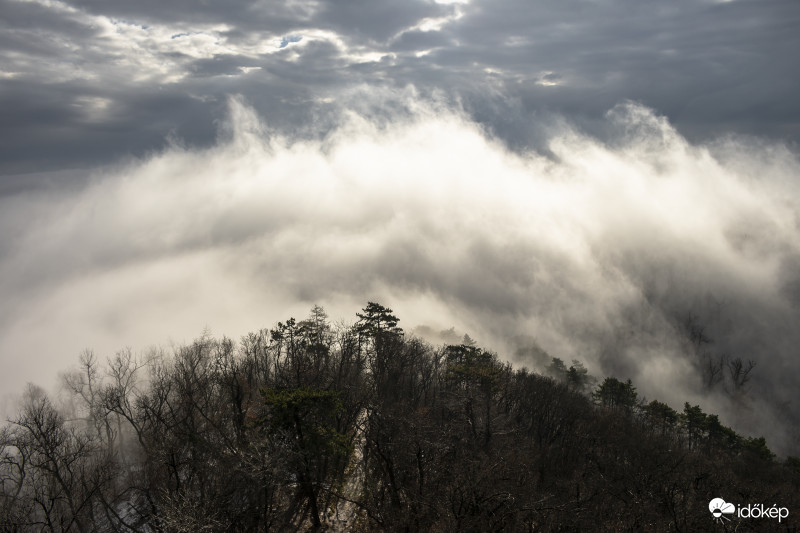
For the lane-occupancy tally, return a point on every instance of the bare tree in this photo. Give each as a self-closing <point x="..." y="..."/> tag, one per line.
<point x="740" y="373"/>
<point x="713" y="369"/>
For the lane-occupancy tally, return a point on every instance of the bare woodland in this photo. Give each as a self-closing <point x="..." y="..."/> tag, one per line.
<point x="311" y="426"/>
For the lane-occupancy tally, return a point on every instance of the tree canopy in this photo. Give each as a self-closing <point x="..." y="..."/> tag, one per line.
<point x="310" y="426"/>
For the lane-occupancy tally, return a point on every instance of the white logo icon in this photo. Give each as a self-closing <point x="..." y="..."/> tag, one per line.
<point x="719" y="507"/>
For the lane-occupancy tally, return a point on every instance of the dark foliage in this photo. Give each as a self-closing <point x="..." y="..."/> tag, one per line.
<point x="310" y="427"/>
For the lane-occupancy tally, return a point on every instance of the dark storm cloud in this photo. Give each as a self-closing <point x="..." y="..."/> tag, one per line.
<point x="239" y="13"/>
<point x="416" y="40"/>
<point x="34" y="24"/>
<point x="712" y="67"/>
<point x="377" y="21"/>
<point x="56" y="126"/>
<point x="221" y="65"/>
<point x="709" y="66"/>
<point x="355" y="19"/>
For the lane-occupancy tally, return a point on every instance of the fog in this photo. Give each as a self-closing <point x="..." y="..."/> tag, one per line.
<point x="610" y="251"/>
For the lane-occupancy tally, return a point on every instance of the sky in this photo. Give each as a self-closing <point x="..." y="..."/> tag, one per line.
<point x="600" y="180"/>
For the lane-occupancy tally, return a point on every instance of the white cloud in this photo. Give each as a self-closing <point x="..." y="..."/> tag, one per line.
<point x="589" y="251"/>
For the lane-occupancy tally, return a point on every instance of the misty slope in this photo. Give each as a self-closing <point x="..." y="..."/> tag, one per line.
<point x="641" y="254"/>
<point x="309" y="426"/>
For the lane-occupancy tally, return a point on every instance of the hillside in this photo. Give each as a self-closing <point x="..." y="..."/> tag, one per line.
<point x="313" y="426"/>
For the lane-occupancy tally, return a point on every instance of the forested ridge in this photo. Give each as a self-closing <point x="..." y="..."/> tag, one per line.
<point x="315" y="426"/>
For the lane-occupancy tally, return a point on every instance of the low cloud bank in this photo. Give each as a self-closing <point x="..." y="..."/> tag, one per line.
<point x="640" y="254"/>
